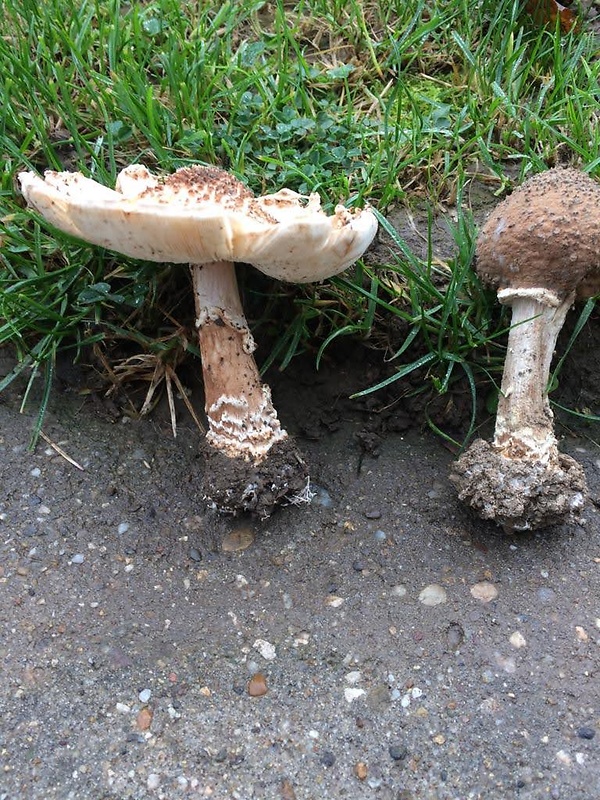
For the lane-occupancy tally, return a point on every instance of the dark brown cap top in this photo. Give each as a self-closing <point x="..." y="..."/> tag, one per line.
<point x="545" y="235"/>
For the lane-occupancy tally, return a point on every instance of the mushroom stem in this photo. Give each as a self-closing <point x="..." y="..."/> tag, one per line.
<point x="524" y="422"/>
<point x="241" y="419"/>
<point x="522" y="480"/>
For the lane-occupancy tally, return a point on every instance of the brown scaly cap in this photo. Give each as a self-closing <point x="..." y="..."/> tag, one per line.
<point x="198" y="184"/>
<point x="546" y="235"/>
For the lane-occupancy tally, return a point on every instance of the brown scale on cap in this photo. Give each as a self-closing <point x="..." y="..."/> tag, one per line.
<point x="196" y="185"/>
<point x="209" y="183"/>
<point x="546" y="235"/>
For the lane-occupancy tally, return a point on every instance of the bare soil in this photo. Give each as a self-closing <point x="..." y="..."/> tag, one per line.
<point x="378" y="643"/>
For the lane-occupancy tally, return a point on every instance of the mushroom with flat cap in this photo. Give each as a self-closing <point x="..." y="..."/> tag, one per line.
<point x="540" y="248"/>
<point x="206" y="218"/>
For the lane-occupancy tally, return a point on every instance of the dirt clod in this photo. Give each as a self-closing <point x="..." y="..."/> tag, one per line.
<point x="235" y="486"/>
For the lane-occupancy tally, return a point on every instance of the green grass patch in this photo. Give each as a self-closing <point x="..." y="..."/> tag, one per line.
<point x="380" y="102"/>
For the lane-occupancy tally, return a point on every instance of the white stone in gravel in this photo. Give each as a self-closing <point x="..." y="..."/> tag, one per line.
<point x="484" y="591"/>
<point x="123" y="528"/>
<point x="153" y="781"/>
<point x="144" y="695"/>
<point x="266" y="649"/>
<point x="334" y="601"/>
<point x="413" y="694"/>
<point x="123" y="708"/>
<point x="35" y="472"/>
<point x="78" y="558"/>
<point x="399" y="590"/>
<point x="433" y="595"/>
<point x="352" y="694"/>
<point x="581" y="633"/>
<point x="506" y="663"/>
<point x="353" y="677"/>
<point x="518" y="640"/>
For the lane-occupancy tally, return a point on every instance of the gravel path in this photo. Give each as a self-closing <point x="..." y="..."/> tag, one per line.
<point x="380" y="643"/>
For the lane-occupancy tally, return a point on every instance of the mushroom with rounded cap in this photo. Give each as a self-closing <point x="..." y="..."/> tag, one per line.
<point x="205" y="217"/>
<point x="540" y="248"/>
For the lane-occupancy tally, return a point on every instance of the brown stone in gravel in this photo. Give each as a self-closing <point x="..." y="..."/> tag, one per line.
<point x="257" y="685"/>
<point x="287" y="791"/>
<point x="237" y="539"/>
<point x="144" y="719"/>
<point x="361" y="771"/>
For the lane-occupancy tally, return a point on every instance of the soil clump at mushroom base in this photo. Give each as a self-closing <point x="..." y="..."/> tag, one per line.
<point x="234" y="485"/>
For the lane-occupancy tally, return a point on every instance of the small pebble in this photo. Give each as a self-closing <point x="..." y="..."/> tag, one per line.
<point x="144" y="695"/>
<point x="153" y="781"/>
<point x="397" y="752"/>
<point x="237" y="540"/>
<point x="484" y="591"/>
<point x="585" y="732"/>
<point x="35" y="472"/>
<point x="546" y="595"/>
<point x="123" y="528"/>
<point x="327" y="758"/>
<point x="373" y="514"/>
<point x="78" y="558"/>
<point x="353" y="694"/>
<point x="518" y="640"/>
<point x="433" y="595"/>
<point x="143" y="720"/>
<point x="380" y="536"/>
<point x="581" y="633"/>
<point x="359" y="565"/>
<point x="195" y="554"/>
<point x="361" y="771"/>
<point x="257" y="685"/>
<point x="287" y="791"/>
<point x="266" y="649"/>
